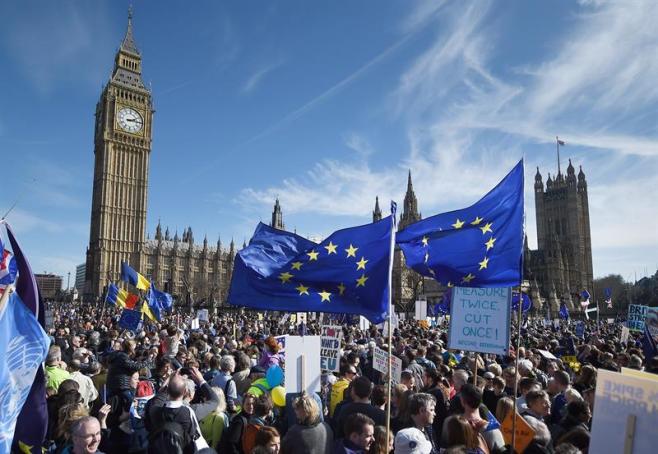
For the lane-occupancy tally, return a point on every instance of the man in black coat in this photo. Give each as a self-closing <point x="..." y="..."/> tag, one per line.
<point x="121" y="366"/>
<point x="361" y="389"/>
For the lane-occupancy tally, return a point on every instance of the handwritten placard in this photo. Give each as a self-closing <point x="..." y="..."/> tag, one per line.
<point x="480" y="320"/>
<point x="636" y="315"/>
<point x="330" y="347"/>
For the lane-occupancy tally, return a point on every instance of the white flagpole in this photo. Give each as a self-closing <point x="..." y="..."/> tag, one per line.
<point x="390" y="319"/>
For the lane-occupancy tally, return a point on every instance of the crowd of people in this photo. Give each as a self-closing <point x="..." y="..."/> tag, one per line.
<point x="168" y="388"/>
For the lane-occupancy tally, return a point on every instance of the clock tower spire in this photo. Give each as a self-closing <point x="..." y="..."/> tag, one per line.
<point x="122" y="148"/>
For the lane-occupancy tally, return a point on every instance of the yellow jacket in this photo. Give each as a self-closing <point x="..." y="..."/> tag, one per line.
<point x="337" y="391"/>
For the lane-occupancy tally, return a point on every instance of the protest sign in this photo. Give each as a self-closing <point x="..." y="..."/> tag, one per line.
<point x="49" y="320"/>
<point x="380" y="363"/>
<point x="364" y="323"/>
<point x="624" y="334"/>
<point x="611" y="321"/>
<point x="302" y="372"/>
<point x="524" y="433"/>
<point x="281" y="340"/>
<point x="546" y="354"/>
<point x="421" y="310"/>
<point x="639" y="373"/>
<point x="202" y="315"/>
<point x="626" y="410"/>
<point x="636" y="316"/>
<point x="651" y="322"/>
<point x="194" y="324"/>
<point x="301" y="317"/>
<point x="480" y="319"/>
<point x="330" y="352"/>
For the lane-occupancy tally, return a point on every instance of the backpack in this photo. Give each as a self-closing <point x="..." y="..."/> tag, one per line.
<point x="169" y="437"/>
<point x="249" y="436"/>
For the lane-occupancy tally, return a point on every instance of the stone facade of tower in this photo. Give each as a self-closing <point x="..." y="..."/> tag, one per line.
<point x="561" y="267"/>
<point x="122" y="148"/>
<point x="277" y="217"/>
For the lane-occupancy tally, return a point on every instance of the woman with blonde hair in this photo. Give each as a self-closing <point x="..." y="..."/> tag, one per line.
<point x="213" y="425"/>
<point x="310" y="434"/>
<point x="504" y="407"/>
<point x="66" y="416"/>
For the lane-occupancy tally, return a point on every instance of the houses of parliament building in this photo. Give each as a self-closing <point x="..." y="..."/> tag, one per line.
<point x="561" y="267"/>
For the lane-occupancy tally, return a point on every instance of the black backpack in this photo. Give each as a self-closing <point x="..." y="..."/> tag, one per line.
<point x="169" y="437"/>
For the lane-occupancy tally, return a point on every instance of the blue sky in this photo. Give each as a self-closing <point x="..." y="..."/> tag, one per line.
<point x="328" y="104"/>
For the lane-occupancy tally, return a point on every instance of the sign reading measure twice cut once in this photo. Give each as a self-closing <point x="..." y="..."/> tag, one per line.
<point x="480" y="319"/>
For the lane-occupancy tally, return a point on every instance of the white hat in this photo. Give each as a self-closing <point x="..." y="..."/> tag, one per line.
<point x="412" y="441"/>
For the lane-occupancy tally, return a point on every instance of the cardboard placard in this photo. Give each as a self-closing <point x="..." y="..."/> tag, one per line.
<point x="421" y="310"/>
<point x="636" y="315"/>
<point x="625" y="405"/>
<point x="202" y="315"/>
<point x="546" y="354"/>
<point x="302" y="371"/>
<point x="330" y="352"/>
<point x="624" y="334"/>
<point x="281" y="340"/>
<point x="380" y="363"/>
<point x="524" y="433"/>
<point x="480" y="320"/>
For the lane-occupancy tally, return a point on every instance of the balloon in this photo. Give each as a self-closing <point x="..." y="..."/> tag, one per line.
<point x="274" y="376"/>
<point x="279" y="396"/>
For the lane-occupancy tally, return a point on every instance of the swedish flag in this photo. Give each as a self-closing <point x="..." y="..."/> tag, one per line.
<point x="478" y="246"/>
<point x="349" y="272"/>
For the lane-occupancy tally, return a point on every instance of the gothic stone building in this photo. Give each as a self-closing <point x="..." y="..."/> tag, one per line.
<point x="122" y="149"/>
<point x="561" y="268"/>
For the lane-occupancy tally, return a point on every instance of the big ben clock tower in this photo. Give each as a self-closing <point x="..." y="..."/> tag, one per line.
<point x="122" y="146"/>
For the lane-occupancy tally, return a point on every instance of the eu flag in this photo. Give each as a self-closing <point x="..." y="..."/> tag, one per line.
<point x="478" y="246"/>
<point x="349" y="272"/>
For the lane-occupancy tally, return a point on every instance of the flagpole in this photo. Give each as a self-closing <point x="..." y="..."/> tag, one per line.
<point x="390" y="321"/>
<point x="518" y="325"/>
<point x="557" y="145"/>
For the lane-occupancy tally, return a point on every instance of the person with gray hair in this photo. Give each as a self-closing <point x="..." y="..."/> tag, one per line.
<point x="224" y="381"/>
<point x="56" y="371"/>
<point x="87" y="389"/>
<point x="542" y="438"/>
<point x="459" y="379"/>
<point x="422" y="410"/>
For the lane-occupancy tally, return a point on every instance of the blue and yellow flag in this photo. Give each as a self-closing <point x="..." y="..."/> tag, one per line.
<point x="349" y="272"/>
<point x="133" y="277"/>
<point x="478" y="246"/>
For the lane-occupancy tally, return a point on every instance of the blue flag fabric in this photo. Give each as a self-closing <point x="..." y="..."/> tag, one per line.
<point x="564" y="312"/>
<point x="443" y="307"/>
<point x="649" y="347"/>
<point x="159" y="301"/>
<point x="478" y="246"/>
<point x="32" y="422"/>
<point x="527" y="302"/>
<point x="130" y="319"/>
<point x="23" y="348"/>
<point x="585" y="296"/>
<point x="349" y="272"/>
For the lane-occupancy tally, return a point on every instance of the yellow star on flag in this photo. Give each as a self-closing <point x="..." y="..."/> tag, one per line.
<point x="341" y="289"/>
<point x="477" y="220"/>
<point x="331" y="248"/>
<point x="296" y="266"/>
<point x="285" y="277"/>
<point x="302" y="290"/>
<point x="489" y="244"/>
<point x="468" y="278"/>
<point x="361" y="282"/>
<point x="312" y="255"/>
<point x="325" y="296"/>
<point x="425" y="241"/>
<point x="361" y="264"/>
<point x="486" y="228"/>
<point x="351" y="251"/>
<point x="458" y="224"/>
<point x="483" y="263"/>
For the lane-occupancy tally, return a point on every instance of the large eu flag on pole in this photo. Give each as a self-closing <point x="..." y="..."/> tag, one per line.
<point x="478" y="246"/>
<point x="349" y="272"/>
<point x="32" y="421"/>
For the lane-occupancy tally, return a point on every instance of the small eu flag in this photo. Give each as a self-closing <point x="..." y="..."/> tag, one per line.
<point x="478" y="246"/>
<point x="349" y="272"/>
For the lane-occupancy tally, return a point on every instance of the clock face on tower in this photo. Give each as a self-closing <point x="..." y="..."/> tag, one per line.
<point x="130" y="120"/>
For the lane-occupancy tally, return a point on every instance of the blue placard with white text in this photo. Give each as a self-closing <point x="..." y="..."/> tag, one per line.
<point x="480" y="320"/>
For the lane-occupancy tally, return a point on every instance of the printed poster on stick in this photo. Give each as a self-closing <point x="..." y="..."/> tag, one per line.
<point x="480" y="320"/>
<point x="380" y="363"/>
<point x="636" y="315"/>
<point x="330" y="349"/>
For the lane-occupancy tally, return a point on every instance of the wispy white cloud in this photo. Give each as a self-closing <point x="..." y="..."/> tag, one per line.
<point x="257" y="77"/>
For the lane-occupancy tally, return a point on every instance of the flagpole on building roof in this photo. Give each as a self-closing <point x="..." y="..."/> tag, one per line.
<point x="390" y="320"/>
